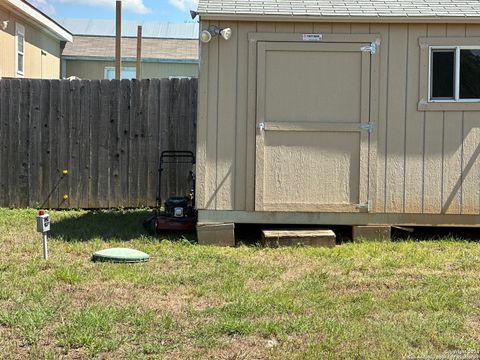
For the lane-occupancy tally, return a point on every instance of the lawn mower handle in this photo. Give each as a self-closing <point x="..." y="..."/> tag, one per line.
<point x="174" y="156"/>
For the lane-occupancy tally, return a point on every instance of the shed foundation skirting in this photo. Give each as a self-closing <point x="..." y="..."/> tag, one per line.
<point x="267" y="217"/>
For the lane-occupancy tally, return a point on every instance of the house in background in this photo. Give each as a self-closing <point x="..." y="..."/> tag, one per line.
<point x="168" y="50"/>
<point x="30" y="41"/>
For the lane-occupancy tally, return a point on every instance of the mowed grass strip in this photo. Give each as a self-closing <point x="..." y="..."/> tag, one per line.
<point x="369" y="300"/>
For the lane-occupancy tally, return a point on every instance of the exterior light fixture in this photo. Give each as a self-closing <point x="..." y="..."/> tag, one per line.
<point x="214" y="31"/>
<point x="5" y="24"/>
<point x="193" y="14"/>
<point x="226" y="33"/>
<point x="205" y="36"/>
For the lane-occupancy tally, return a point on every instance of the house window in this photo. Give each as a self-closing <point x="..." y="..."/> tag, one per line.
<point x="454" y="74"/>
<point x="20" y="49"/>
<point x="127" y="73"/>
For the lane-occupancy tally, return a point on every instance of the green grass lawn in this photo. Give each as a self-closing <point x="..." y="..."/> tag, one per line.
<point x="358" y="301"/>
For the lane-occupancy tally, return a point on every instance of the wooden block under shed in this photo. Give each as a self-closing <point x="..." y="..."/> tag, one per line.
<point x="217" y="234"/>
<point x="310" y="237"/>
<point x="372" y="233"/>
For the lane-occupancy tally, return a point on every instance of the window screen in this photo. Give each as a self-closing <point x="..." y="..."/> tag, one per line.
<point x="470" y="74"/>
<point x="443" y="74"/>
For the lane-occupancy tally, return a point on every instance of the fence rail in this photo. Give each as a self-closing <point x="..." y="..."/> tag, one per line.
<point x="107" y="135"/>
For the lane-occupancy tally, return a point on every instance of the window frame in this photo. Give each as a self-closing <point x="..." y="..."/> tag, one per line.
<point x="424" y="77"/>
<point x="456" y="83"/>
<point x="112" y="68"/>
<point x="19" y="30"/>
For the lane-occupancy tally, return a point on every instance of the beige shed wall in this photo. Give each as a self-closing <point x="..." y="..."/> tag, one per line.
<point x="427" y="161"/>
<point x="37" y="66"/>
<point x="95" y="70"/>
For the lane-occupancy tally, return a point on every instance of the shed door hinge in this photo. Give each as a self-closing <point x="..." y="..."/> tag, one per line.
<point x="372" y="48"/>
<point x="366" y="126"/>
<point x="365" y="206"/>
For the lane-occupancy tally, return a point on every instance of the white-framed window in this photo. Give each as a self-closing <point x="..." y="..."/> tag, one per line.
<point x="127" y="73"/>
<point x="454" y="74"/>
<point x="20" y="50"/>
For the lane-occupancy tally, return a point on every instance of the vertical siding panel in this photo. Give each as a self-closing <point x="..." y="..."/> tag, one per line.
<point x="433" y="149"/>
<point x="284" y="27"/>
<point x="395" y="148"/>
<point x="202" y="124"/>
<point x="341" y="28"/>
<point x="414" y="125"/>
<point x="241" y="125"/>
<point x="251" y="125"/>
<point x="265" y="27"/>
<point x="212" y="120"/>
<point x="325" y="28"/>
<point x="360" y="28"/>
<point x="304" y="28"/>
<point x="452" y="149"/>
<point x="384" y="31"/>
<point x="471" y="153"/>
<point x="227" y="72"/>
<point x="471" y="164"/>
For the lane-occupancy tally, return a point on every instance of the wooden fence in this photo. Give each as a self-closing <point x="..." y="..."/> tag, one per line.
<point x="107" y="135"/>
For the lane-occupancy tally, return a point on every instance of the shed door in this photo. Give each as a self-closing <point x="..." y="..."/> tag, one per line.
<point x="312" y="127"/>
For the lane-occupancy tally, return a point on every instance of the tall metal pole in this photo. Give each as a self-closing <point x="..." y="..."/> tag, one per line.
<point x="118" y="42"/>
<point x="139" y="53"/>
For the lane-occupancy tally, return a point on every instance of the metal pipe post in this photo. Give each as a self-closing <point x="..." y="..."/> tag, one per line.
<point x="45" y="245"/>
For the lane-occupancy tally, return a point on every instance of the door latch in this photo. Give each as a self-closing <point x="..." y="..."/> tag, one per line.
<point x="261" y="127"/>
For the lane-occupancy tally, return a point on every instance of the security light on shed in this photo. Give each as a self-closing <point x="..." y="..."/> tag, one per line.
<point x="226" y="33"/>
<point x="214" y="31"/>
<point x="205" y="36"/>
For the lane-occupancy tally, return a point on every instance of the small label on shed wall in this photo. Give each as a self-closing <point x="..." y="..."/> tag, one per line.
<point x="312" y="37"/>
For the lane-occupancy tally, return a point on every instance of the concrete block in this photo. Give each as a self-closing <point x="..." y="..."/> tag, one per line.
<point x="217" y="234"/>
<point x="311" y="237"/>
<point x="372" y="233"/>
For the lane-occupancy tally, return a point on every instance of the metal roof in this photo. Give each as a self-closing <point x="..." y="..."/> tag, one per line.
<point x="150" y="29"/>
<point x="343" y="8"/>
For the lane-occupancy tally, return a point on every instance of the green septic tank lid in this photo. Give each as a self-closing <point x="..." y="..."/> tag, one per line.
<point x="120" y="255"/>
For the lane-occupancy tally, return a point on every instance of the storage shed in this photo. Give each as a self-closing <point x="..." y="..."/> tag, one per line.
<point x="340" y="112"/>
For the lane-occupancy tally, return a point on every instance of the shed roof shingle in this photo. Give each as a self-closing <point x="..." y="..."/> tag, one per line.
<point x="343" y="8"/>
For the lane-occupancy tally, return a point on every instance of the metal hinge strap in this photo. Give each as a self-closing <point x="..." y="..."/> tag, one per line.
<point x="366" y="126"/>
<point x="367" y="205"/>
<point x="372" y="48"/>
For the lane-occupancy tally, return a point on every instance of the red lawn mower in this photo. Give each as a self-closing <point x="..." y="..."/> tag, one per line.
<point x="179" y="211"/>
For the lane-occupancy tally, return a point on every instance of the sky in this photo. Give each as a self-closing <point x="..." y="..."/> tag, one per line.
<point x="151" y="10"/>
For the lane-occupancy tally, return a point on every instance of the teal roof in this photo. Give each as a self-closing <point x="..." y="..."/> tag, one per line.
<point x="150" y="29"/>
